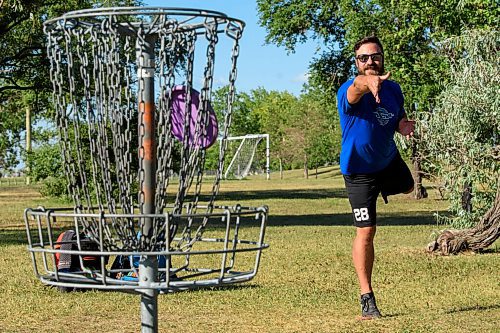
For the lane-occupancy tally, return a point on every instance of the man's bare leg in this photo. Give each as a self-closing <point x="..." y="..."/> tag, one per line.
<point x="363" y="255"/>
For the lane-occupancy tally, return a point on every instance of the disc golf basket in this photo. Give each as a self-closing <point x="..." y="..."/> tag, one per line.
<point x="134" y="159"/>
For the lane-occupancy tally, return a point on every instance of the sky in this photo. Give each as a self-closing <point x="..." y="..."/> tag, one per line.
<point x="259" y="64"/>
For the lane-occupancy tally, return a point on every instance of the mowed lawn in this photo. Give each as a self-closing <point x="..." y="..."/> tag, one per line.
<point x="306" y="282"/>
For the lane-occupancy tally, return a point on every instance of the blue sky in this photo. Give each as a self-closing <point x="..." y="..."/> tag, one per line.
<point x="259" y="65"/>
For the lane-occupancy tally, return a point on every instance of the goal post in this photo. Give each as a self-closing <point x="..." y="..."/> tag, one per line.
<point x="244" y="155"/>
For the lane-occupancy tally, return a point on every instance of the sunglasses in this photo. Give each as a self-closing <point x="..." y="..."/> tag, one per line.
<point x="375" y="57"/>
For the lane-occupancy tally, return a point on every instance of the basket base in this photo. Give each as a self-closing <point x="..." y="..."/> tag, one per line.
<point x="228" y="251"/>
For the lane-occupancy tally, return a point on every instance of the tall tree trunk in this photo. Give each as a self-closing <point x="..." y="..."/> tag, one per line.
<point x="485" y="233"/>
<point x="281" y="168"/>
<point x="467" y="197"/>
<point x="306" y="169"/>
<point x="420" y="191"/>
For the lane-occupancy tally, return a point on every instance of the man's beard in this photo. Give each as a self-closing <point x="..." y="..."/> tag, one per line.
<point x="373" y="70"/>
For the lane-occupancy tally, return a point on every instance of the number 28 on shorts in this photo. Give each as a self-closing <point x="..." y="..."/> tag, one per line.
<point x="361" y="214"/>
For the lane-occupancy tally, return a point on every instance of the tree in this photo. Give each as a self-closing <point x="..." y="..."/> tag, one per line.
<point x="463" y="138"/>
<point x="19" y="59"/>
<point x="23" y="62"/>
<point x="303" y="131"/>
<point x="9" y="119"/>
<point x="409" y="30"/>
<point x="24" y="67"/>
<point x="320" y="127"/>
<point x="273" y="111"/>
<point x="243" y="120"/>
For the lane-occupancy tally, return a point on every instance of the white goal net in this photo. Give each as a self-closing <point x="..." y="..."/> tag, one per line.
<point x="247" y="155"/>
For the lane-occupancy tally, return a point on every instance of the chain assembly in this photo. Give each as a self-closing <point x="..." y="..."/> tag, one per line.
<point x="113" y="79"/>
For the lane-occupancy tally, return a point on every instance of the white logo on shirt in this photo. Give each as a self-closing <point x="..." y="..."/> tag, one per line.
<point x="383" y="116"/>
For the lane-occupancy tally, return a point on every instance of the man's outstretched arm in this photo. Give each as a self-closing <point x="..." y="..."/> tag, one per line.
<point x="363" y="84"/>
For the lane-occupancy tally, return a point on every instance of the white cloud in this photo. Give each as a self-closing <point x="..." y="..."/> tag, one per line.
<point x="217" y="81"/>
<point x="301" y="78"/>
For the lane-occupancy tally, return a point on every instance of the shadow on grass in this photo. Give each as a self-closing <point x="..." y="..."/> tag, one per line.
<point x="247" y="286"/>
<point x="13" y="237"/>
<point x="386" y="219"/>
<point x="474" y="308"/>
<point x="457" y="310"/>
<point x="333" y="173"/>
<point x="490" y="250"/>
<point x="279" y="194"/>
<point x="18" y="236"/>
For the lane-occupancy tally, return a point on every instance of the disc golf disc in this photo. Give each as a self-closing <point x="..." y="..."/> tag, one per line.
<point x="178" y="118"/>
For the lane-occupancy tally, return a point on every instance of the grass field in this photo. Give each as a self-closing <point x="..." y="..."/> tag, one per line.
<point x="306" y="281"/>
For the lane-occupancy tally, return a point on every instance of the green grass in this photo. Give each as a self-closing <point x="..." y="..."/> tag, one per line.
<point x="306" y="282"/>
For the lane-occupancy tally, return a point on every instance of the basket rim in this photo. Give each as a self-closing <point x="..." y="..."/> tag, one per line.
<point x="146" y="10"/>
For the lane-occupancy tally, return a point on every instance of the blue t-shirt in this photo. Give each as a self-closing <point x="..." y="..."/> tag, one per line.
<point x="368" y="128"/>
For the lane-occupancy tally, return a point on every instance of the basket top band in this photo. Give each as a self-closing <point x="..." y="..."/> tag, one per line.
<point x="146" y="17"/>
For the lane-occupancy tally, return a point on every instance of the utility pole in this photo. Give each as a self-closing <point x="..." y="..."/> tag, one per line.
<point x="28" y="142"/>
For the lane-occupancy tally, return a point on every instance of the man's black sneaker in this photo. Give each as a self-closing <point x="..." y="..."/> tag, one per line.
<point x="369" y="308"/>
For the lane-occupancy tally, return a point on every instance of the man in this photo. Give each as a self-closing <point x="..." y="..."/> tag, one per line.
<point x="371" y="111"/>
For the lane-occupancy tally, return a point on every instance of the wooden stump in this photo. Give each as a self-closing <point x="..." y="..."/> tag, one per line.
<point x="485" y="233"/>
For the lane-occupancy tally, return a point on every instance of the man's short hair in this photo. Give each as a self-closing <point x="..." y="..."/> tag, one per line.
<point x="366" y="40"/>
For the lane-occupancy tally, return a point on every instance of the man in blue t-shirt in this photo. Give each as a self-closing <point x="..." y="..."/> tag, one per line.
<point x="371" y="111"/>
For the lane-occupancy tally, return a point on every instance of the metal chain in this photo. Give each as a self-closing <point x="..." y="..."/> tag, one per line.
<point x="116" y="118"/>
<point x="203" y="112"/>
<point x="94" y="79"/>
<point x="184" y="171"/>
<point x="198" y="156"/>
<point x="82" y="55"/>
<point x="128" y="111"/>
<point x="90" y="227"/>
<point x="169" y="37"/>
<point x="103" y="139"/>
<point x="55" y="52"/>
<point x="235" y="32"/>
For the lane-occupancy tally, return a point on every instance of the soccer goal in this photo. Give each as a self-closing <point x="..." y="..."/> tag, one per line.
<point x="249" y="156"/>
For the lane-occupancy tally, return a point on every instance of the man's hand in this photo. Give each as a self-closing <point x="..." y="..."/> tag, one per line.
<point x="375" y="84"/>
<point x="364" y="84"/>
<point x="406" y="127"/>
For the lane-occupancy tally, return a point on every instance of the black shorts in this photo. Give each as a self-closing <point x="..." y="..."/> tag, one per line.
<point x="363" y="190"/>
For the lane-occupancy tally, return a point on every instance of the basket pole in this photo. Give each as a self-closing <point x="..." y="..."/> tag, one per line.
<point x="148" y="265"/>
